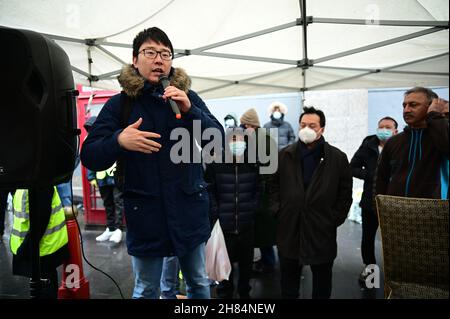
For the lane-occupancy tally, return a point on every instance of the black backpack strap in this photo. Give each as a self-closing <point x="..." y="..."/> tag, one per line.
<point x="126" y="105"/>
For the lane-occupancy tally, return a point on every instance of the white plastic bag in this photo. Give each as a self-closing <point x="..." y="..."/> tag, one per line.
<point x="218" y="266"/>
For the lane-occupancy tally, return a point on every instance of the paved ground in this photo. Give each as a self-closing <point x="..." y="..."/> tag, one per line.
<point x="114" y="260"/>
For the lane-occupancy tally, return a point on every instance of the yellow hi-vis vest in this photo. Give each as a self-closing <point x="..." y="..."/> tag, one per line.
<point x="54" y="237"/>
<point x="109" y="172"/>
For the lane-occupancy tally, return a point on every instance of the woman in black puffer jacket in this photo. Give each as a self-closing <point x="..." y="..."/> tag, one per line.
<point x="234" y="189"/>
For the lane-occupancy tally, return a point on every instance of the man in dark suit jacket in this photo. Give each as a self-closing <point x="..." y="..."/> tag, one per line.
<point x="310" y="195"/>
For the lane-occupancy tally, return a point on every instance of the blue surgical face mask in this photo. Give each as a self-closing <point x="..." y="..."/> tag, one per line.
<point x="384" y="134"/>
<point x="238" y="148"/>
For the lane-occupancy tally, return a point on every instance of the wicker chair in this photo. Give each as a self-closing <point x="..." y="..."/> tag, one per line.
<point x="414" y="234"/>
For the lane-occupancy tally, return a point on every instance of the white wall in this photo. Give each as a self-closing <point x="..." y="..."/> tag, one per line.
<point x="346" y="113"/>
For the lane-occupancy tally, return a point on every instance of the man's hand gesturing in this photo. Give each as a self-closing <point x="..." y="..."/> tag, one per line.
<point x="132" y="139"/>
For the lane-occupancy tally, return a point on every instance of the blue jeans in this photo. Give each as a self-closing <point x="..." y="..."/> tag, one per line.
<point x="147" y="273"/>
<point x="170" y="283"/>
<point x="64" y="193"/>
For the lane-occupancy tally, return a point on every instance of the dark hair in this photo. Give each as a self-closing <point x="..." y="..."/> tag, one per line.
<point x="428" y="92"/>
<point x="389" y="118"/>
<point x="230" y="117"/>
<point x="312" y="110"/>
<point x="154" y="34"/>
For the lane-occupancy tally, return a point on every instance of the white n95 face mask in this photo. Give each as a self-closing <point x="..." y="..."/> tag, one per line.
<point x="229" y="123"/>
<point x="276" y="115"/>
<point x="307" y="135"/>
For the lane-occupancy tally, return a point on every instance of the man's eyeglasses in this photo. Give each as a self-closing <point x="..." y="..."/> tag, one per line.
<point x="151" y="54"/>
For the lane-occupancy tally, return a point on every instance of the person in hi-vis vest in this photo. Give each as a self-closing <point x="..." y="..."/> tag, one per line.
<point x="53" y="236"/>
<point x="111" y="196"/>
<point x="112" y="200"/>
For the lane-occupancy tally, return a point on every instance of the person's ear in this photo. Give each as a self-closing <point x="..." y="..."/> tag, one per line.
<point x="322" y="130"/>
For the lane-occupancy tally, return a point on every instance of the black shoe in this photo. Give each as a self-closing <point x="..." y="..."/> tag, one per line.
<point x="224" y="290"/>
<point x="258" y="267"/>
<point x="268" y="269"/>
<point x="222" y="295"/>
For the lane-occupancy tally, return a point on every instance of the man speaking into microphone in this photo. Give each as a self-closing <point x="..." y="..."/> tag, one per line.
<point x="166" y="204"/>
<point x="164" y="79"/>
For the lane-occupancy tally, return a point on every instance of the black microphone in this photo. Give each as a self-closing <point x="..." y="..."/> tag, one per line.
<point x="164" y="79"/>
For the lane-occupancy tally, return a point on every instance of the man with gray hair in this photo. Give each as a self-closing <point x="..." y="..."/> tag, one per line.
<point x="415" y="163"/>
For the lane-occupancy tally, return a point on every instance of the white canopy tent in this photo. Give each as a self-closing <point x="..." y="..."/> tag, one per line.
<point x="236" y="47"/>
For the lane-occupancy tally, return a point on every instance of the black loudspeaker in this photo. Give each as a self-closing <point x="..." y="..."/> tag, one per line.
<point x="38" y="143"/>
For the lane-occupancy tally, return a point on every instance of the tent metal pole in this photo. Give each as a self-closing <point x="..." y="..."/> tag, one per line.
<point x="216" y="88"/>
<point x="382" y="69"/>
<point x="416" y="61"/>
<point x="340" y="80"/>
<point x="304" y="88"/>
<point x="387" y="70"/>
<point x="143" y="21"/>
<point x="79" y="71"/>
<point x="303" y="98"/>
<point x="269" y="73"/>
<point x="243" y="80"/>
<point x="89" y="65"/>
<point x="246" y="57"/>
<point x="341" y="68"/>
<point x="416" y="73"/>
<point x="305" y="60"/>
<point x="110" y="54"/>
<point x="290" y="88"/>
<point x="304" y="28"/>
<point x="378" y="44"/>
<point x="399" y="23"/>
<point x="109" y="74"/>
<point x="65" y="39"/>
<point x="367" y="73"/>
<point x="246" y="36"/>
<point x="211" y="79"/>
<point x="248" y="81"/>
<point x="114" y="44"/>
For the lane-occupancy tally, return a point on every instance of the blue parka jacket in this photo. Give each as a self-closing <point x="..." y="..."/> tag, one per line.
<point x="166" y="203"/>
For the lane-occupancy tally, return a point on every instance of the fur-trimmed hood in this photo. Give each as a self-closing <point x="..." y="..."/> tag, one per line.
<point x="132" y="82"/>
<point x="282" y="106"/>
